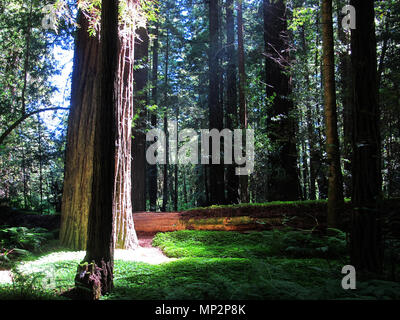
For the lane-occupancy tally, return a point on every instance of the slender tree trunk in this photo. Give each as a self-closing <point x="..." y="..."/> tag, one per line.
<point x="231" y="106"/>
<point x="217" y="191"/>
<point x="176" y="169"/>
<point x="139" y="135"/>
<point x="23" y="164"/>
<point x="335" y="180"/>
<point x="40" y="165"/>
<point x="165" y="182"/>
<point x="96" y="276"/>
<point x="283" y="179"/>
<point x="243" y="180"/>
<point x="346" y="98"/>
<point x="26" y="62"/>
<point x="153" y="172"/>
<point x="310" y="124"/>
<point x="317" y="157"/>
<point x="366" y="238"/>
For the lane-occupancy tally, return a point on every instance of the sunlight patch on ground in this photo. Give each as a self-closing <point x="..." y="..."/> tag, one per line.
<point x="5" y="277"/>
<point x="147" y="255"/>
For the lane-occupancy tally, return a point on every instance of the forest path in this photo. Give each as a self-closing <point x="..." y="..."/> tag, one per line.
<point x="145" y="253"/>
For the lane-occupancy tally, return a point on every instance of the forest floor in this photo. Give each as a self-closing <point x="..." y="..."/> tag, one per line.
<point x="282" y="263"/>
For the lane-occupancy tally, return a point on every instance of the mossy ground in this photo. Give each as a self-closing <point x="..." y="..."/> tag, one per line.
<point x="215" y="265"/>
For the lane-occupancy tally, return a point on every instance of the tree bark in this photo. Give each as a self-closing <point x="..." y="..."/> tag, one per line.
<point x="95" y="274"/>
<point x="165" y="171"/>
<point x="346" y="99"/>
<point x="217" y="190"/>
<point x="153" y="171"/>
<point x="366" y="238"/>
<point x="283" y="179"/>
<point x="78" y="176"/>
<point x="335" y="180"/>
<point x="139" y="135"/>
<point x="232" y="182"/>
<point x="243" y="180"/>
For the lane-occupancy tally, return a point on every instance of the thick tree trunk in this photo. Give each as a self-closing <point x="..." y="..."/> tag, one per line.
<point x="97" y="278"/>
<point x="217" y="190"/>
<point x="232" y="180"/>
<point x="78" y="177"/>
<point x="366" y="239"/>
<point x="77" y="192"/>
<point x="138" y="134"/>
<point x="335" y="180"/>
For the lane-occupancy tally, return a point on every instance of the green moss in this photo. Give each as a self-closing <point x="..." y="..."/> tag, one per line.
<point x="216" y="265"/>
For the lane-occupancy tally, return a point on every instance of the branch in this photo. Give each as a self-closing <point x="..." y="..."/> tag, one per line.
<point x="23" y="118"/>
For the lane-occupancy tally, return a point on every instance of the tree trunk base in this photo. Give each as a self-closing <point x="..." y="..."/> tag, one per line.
<point x="92" y="281"/>
<point x="366" y="245"/>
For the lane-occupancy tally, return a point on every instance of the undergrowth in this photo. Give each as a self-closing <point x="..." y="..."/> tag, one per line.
<point x="215" y="266"/>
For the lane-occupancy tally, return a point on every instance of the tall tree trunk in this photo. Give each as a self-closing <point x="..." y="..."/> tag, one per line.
<point x="244" y="179"/>
<point x="335" y="180"/>
<point x="217" y="190"/>
<point x="317" y="157"/>
<point x="283" y="179"/>
<point x="96" y="277"/>
<point x="165" y="173"/>
<point x="176" y="169"/>
<point x="346" y="99"/>
<point x="310" y="123"/>
<point x="138" y="134"/>
<point x="124" y="233"/>
<point x="232" y="183"/>
<point x="366" y="239"/>
<point x="153" y="172"/>
<point x="77" y="191"/>
<point x="40" y="164"/>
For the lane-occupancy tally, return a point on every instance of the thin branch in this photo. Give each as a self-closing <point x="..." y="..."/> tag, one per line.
<point x="23" y="118"/>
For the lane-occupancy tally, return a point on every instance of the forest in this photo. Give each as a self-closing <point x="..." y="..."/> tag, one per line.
<point x="199" y="150"/>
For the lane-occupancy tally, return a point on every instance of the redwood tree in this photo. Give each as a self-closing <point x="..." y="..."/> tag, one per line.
<point x="366" y="239"/>
<point x="283" y="179"/>
<point x="138" y="134"/>
<point x="243" y="180"/>
<point x="335" y="191"/>
<point x="153" y="171"/>
<point x="217" y="189"/>
<point x="78" y="174"/>
<point x="80" y="141"/>
<point x="232" y="181"/>
<point x="95" y="275"/>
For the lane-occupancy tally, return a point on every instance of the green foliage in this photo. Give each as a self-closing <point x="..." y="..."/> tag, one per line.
<point x="287" y="243"/>
<point x="24" y="238"/>
<point x="226" y="275"/>
<point x="20" y="242"/>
